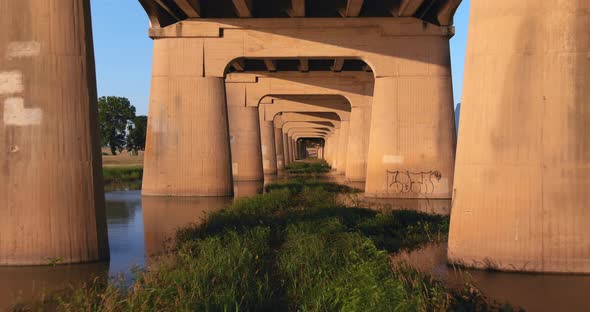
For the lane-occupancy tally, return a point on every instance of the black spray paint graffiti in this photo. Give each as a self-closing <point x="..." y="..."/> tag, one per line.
<point x="412" y="182"/>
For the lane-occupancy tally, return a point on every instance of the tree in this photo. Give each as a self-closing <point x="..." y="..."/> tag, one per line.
<point x="136" y="134"/>
<point x="114" y="114"/>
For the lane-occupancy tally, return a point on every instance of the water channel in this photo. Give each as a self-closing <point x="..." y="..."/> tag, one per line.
<point x="140" y="228"/>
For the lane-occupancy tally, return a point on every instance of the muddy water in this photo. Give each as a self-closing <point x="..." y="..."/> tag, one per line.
<point x="532" y="292"/>
<point x="139" y="229"/>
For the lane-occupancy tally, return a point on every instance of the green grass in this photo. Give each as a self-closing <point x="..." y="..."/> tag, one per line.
<point x="298" y="183"/>
<point x="293" y="249"/>
<point x="308" y="167"/>
<point x="122" y="178"/>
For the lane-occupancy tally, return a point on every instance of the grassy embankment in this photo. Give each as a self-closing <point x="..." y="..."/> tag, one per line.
<point x="313" y="167"/>
<point x="291" y="249"/>
<point x="122" y="172"/>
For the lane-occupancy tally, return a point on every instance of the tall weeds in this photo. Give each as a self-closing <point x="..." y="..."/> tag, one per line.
<point x="293" y="249"/>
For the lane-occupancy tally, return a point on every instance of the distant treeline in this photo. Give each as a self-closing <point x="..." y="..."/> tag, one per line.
<point x="119" y="127"/>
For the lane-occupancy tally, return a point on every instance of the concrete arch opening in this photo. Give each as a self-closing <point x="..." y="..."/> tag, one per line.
<point x="317" y="108"/>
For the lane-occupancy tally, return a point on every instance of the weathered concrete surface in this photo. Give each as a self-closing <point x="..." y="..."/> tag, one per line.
<point x="521" y="199"/>
<point x="162" y="13"/>
<point x="412" y="139"/>
<point x="335" y="151"/>
<point x="286" y="149"/>
<point x="187" y="148"/>
<point x="355" y="88"/>
<point x="358" y="144"/>
<point x="51" y="190"/>
<point x="244" y="136"/>
<point x="386" y="44"/>
<point x="267" y="147"/>
<point x="280" y="152"/>
<point x="343" y="147"/>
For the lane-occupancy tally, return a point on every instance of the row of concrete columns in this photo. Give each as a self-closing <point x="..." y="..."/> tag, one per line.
<point x="520" y="197"/>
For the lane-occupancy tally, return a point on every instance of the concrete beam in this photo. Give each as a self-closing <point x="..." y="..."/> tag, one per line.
<point x="271" y="65"/>
<point x="352" y="9"/>
<point x="303" y="65"/>
<point x="338" y="64"/>
<point x="242" y="8"/>
<point x="239" y="65"/>
<point x="168" y="9"/>
<point x="394" y="46"/>
<point x="297" y="8"/>
<point x="191" y="8"/>
<point x="302" y="105"/>
<point x="447" y="12"/>
<point x="407" y="8"/>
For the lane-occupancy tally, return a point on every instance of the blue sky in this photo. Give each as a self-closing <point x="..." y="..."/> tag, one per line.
<point x="123" y="51"/>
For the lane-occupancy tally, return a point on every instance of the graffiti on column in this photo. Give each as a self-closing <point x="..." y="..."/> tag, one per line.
<point x="12" y="87"/>
<point x="412" y="182"/>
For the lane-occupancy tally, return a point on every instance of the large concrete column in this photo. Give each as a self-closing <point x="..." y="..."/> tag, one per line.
<point x="51" y="189"/>
<point x="412" y="142"/>
<point x="244" y="136"/>
<point x="278" y="136"/>
<point x="286" y="148"/>
<point x="267" y="140"/>
<point x="326" y="152"/>
<point x="521" y="199"/>
<point x="187" y="149"/>
<point x="335" y="149"/>
<point x="358" y="144"/>
<point x="343" y="147"/>
<point x="291" y="148"/>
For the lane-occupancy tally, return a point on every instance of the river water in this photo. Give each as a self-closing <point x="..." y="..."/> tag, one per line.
<point x="140" y="228"/>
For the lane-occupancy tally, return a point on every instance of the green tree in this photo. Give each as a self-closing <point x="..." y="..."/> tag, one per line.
<point x="114" y="114"/>
<point x="136" y="132"/>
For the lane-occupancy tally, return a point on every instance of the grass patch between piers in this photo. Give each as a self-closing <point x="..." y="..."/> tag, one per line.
<point x="293" y="249"/>
<point x="317" y="166"/>
<point x="122" y="178"/>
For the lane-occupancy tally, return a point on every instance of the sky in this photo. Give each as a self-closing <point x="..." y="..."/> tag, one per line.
<point x="123" y="50"/>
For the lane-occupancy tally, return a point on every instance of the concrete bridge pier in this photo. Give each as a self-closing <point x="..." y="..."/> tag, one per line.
<point x="187" y="149"/>
<point x="521" y="199"/>
<point x="267" y="141"/>
<point x="358" y="144"/>
<point x="412" y="143"/>
<point x="343" y="147"/>
<point x="335" y="148"/>
<point x="291" y="148"/>
<point x="286" y="148"/>
<point x="244" y="136"/>
<point x="328" y="149"/>
<point x="280" y="152"/>
<point x="51" y="189"/>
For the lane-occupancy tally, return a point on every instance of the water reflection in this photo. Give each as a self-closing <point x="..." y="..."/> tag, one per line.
<point x="533" y="292"/>
<point x="125" y="228"/>
<point x="30" y="284"/>
<point x="162" y="216"/>
<point x="141" y="226"/>
<point x="247" y="188"/>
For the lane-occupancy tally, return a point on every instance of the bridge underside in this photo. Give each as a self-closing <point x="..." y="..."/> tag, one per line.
<point x="166" y="12"/>
<point x="236" y="85"/>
